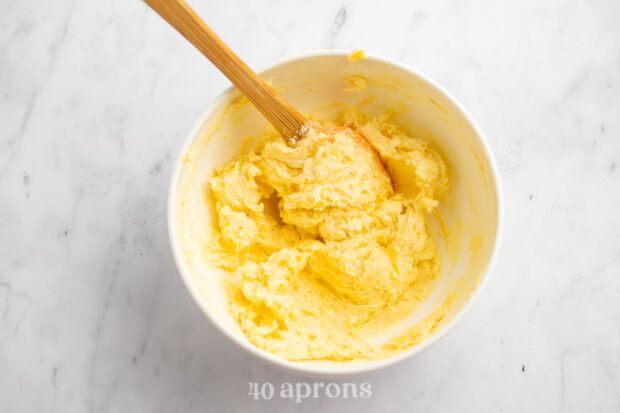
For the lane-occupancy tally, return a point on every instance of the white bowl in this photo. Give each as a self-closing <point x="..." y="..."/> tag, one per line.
<point x="471" y="211"/>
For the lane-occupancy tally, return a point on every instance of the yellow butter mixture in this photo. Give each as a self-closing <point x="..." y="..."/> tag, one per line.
<point x="327" y="240"/>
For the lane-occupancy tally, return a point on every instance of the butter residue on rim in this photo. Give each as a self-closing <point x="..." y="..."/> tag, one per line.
<point x="357" y="55"/>
<point x="325" y="254"/>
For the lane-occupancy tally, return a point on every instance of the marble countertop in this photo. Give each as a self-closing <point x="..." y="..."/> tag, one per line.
<point x="96" y="99"/>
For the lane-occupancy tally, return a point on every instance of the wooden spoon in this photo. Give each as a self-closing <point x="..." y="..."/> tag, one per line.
<point x="290" y="123"/>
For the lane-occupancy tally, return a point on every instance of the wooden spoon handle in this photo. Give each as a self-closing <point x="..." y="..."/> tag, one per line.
<point x="277" y="111"/>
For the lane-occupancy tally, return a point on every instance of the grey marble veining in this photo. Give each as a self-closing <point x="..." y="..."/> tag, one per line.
<point x="95" y="101"/>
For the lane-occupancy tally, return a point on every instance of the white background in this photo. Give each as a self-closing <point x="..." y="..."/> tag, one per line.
<point x="96" y="98"/>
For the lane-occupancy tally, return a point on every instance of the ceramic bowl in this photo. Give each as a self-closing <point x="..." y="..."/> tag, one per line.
<point x="320" y="83"/>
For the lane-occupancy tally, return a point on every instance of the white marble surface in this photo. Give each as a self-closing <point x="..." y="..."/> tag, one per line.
<point x="95" y="101"/>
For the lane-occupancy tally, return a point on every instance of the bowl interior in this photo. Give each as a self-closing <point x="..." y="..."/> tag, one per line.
<point x="465" y="232"/>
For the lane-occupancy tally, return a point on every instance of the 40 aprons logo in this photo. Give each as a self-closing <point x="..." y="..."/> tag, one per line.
<point x="301" y="391"/>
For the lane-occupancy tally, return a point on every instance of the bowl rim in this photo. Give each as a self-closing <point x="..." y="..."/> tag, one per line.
<point x="308" y="369"/>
